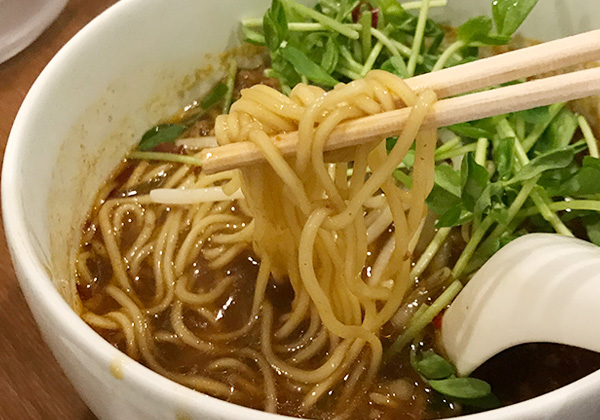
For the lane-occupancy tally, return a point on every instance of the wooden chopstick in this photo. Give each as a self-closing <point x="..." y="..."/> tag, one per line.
<point x="491" y="71"/>
<point x="514" y="65"/>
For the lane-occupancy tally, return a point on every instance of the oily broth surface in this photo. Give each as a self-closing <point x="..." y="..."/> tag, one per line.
<point x="408" y="397"/>
<point x="548" y="366"/>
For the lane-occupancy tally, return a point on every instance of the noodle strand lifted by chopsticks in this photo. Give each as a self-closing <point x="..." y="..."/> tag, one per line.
<point x="331" y="252"/>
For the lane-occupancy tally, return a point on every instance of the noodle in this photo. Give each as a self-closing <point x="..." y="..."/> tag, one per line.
<point x="331" y="209"/>
<point x="311" y="224"/>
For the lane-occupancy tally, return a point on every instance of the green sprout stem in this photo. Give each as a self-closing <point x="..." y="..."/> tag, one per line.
<point x="419" y="323"/>
<point x="458" y="151"/>
<point x="540" y="198"/>
<point x="447" y="54"/>
<point x="481" y="151"/>
<point x="588" y="136"/>
<point x="429" y="253"/>
<point x="365" y="34"/>
<point x="449" y="145"/>
<point x="418" y="38"/>
<point x="323" y="19"/>
<point x="469" y="250"/>
<point x="371" y="59"/>
<point x="539" y="128"/>
<point x="230" y="83"/>
<point x="413" y="5"/>
<point x="394" y="47"/>
<point x="567" y="205"/>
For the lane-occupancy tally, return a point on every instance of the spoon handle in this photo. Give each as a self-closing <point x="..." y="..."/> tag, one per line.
<point x="538" y="288"/>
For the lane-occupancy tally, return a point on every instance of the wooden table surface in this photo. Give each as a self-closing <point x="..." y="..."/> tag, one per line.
<point x="32" y="385"/>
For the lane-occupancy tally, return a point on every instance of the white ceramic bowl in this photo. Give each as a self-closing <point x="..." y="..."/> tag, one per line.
<point x="118" y="76"/>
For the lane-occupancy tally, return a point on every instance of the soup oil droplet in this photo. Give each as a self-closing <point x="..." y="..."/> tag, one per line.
<point x="116" y="367"/>
<point x="182" y="416"/>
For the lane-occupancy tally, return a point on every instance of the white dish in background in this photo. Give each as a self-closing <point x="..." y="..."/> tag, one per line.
<point x="113" y="80"/>
<point x="22" y="21"/>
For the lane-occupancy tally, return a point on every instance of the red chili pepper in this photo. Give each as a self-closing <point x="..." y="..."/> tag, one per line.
<point x="357" y="13"/>
<point x="437" y="321"/>
<point x="375" y="17"/>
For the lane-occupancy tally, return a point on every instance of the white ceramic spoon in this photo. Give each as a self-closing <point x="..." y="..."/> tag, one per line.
<point x="538" y="288"/>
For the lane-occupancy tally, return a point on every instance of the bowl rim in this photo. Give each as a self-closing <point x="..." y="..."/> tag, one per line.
<point x="39" y="289"/>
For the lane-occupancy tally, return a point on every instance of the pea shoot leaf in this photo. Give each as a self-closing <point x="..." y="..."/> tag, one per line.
<point x="592" y="227"/>
<point x="284" y="70"/>
<point x="448" y="179"/>
<point x="397" y="66"/>
<point x="535" y="115"/>
<point x="392" y="11"/>
<point x="390" y="142"/>
<point x="510" y="14"/>
<point x="585" y="181"/>
<point x="440" y="201"/>
<point x="478" y="31"/>
<point x="560" y="131"/>
<point x="440" y="375"/>
<point x="331" y="56"/>
<point x="591" y="162"/>
<point x="554" y="179"/>
<point x="306" y="67"/>
<point x="555" y="159"/>
<point x="454" y="216"/>
<point x="433" y="366"/>
<point x="474" y="179"/>
<point x="470" y="130"/>
<point x="214" y="96"/>
<point x="504" y="152"/>
<point x="275" y="25"/>
<point x="489" y="198"/>
<point x="445" y="194"/>
<point x="162" y="133"/>
<point x="463" y="388"/>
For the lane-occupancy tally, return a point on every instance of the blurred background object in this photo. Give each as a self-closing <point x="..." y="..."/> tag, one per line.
<point x="32" y="385"/>
<point x="22" y="21"/>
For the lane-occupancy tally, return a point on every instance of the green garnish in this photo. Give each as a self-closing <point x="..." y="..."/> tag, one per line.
<point x="463" y="388"/>
<point x="306" y="67"/>
<point x="275" y="27"/>
<point x="555" y="159"/>
<point x="162" y="133"/>
<point x="214" y="96"/>
<point x="441" y="377"/>
<point x="474" y="180"/>
<point x="343" y="42"/>
<point x="510" y="14"/>
<point x="168" y="133"/>
<point x="421" y="320"/>
<point x="433" y="366"/>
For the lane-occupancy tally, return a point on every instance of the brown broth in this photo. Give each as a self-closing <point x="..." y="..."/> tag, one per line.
<point x="234" y="309"/>
<point x="517" y="374"/>
<point x="530" y="370"/>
